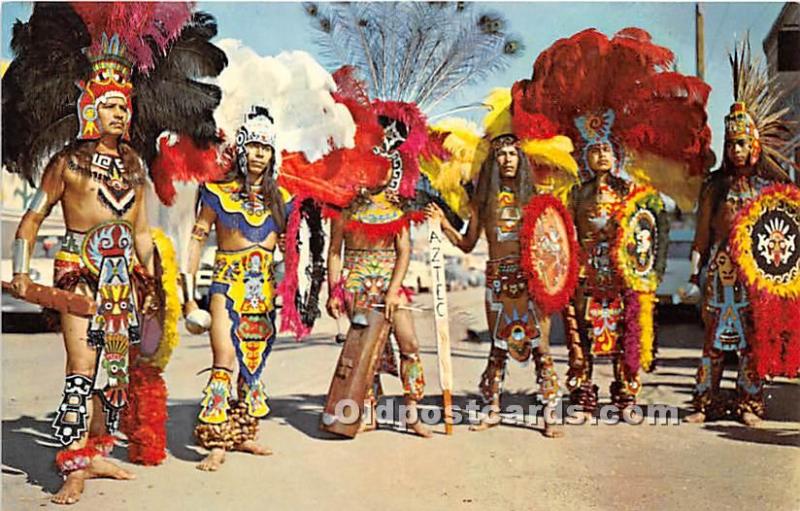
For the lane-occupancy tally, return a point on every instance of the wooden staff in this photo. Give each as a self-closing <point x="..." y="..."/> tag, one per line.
<point x="439" y="289"/>
<point x="58" y="299"/>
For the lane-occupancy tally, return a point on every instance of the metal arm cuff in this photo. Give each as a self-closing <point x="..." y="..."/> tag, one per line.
<point x="21" y="256"/>
<point x="188" y="286"/>
<point x="38" y="203"/>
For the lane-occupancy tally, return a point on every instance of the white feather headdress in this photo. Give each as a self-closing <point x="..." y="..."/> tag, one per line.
<point x="295" y="89"/>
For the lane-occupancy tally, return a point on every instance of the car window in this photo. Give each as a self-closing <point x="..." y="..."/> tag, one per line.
<point x="679" y="250"/>
<point x="46" y="247"/>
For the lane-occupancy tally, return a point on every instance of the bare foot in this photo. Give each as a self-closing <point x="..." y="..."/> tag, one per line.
<point x="252" y="447"/>
<point x="71" y="490"/>
<point x="490" y="421"/>
<point x="751" y="420"/>
<point x="695" y="418"/>
<point x="99" y="468"/>
<point x="213" y="461"/>
<point x="553" y="430"/>
<point x="584" y="417"/>
<point x="420" y="429"/>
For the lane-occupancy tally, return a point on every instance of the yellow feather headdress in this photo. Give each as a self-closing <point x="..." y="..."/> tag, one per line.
<point x="469" y="149"/>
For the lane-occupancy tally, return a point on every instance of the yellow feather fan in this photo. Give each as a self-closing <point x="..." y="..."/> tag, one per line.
<point x="498" y="121"/>
<point x="467" y="150"/>
<point x="169" y="281"/>
<point x="667" y="176"/>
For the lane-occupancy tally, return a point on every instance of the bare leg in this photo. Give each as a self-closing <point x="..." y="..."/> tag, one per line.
<point x="582" y="393"/>
<point x="750" y="390"/>
<point x="224" y="355"/>
<point x="491" y="420"/>
<point x="413" y="379"/>
<point x="221" y="344"/>
<point x="548" y="380"/>
<point x="491" y="385"/>
<point x="81" y="359"/>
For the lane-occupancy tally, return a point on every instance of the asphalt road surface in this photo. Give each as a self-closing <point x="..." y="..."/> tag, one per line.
<point x="721" y="465"/>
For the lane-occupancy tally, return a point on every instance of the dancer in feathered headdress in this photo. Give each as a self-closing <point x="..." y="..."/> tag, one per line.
<point x="411" y="57"/>
<point x="103" y="137"/>
<point x="629" y="117"/>
<point x="532" y="267"/>
<point x="273" y="107"/>
<point x="748" y="235"/>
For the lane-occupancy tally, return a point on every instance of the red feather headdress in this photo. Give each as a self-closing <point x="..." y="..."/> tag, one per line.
<point x="124" y="36"/>
<point x="659" y="116"/>
<point x="337" y="178"/>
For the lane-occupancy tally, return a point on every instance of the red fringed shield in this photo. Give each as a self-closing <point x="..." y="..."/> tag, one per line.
<point x="549" y="253"/>
<point x="765" y="245"/>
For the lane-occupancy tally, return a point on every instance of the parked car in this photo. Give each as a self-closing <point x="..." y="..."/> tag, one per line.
<point x="418" y="277"/>
<point x="678" y="267"/>
<point x="476" y="277"/>
<point x="457" y="276"/>
<point x="205" y="271"/>
<point x="48" y="243"/>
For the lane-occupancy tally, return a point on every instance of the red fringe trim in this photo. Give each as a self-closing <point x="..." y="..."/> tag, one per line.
<point x="416" y="217"/>
<point x="338" y="292"/>
<point x="330" y="213"/>
<point x="287" y="289"/>
<point x="548" y="304"/>
<point x="103" y="444"/>
<point x="71" y="460"/>
<point x="775" y="342"/>
<point x="378" y="232"/>
<point x="144" y="421"/>
<point x="632" y="336"/>
<point x="776" y="335"/>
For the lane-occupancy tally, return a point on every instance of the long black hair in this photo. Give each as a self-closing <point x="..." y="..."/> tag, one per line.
<point x="272" y="193"/>
<point x="489" y="182"/>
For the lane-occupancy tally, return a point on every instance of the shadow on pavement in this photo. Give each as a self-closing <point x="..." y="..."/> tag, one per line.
<point x="29" y="449"/>
<point x="782" y="436"/>
<point x="302" y="412"/>
<point x="180" y="430"/>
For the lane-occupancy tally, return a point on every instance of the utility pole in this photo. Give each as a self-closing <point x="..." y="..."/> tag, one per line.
<point x="700" y="46"/>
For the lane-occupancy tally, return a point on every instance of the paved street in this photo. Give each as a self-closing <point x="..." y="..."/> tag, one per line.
<point x="512" y="467"/>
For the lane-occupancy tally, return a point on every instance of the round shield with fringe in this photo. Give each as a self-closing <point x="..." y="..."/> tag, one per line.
<point x="549" y="253"/>
<point x="636" y="252"/>
<point x="766" y="241"/>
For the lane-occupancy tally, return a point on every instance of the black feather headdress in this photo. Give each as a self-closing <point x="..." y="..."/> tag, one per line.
<point x="40" y="96"/>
